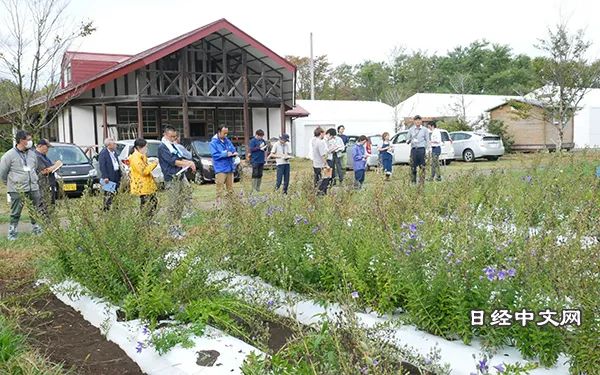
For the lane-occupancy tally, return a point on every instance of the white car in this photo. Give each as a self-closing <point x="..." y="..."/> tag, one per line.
<point x="469" y="146"/>
<point x="125" y="148"/>
<point x="402" y="149"/>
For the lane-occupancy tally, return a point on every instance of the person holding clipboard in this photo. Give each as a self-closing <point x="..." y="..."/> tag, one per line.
<point x="258" y="147"/>
<point x="46" y="178"/>
<point x="282" y="153"/>
<point x="223" y="155"/>
<point x="142" y="182"/>
<point x="110" y="171"/>
<point x="173" y="165"/>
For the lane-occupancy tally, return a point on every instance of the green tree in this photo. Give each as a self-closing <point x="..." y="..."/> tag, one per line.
<point x="566" y="75"/>
<point x="373" y="80"/>
<point x="343" y="83"/>
<point x="322" y="76"/>
<point x="31" y="52"/>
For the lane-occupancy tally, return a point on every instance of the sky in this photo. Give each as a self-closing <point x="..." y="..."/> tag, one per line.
<point x="347" y="31"/>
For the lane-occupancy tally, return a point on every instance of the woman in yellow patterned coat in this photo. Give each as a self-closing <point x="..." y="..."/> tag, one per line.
<point x="142" y="182"/>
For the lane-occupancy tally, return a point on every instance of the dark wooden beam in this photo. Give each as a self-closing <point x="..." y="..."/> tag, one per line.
<point x="71" y="124"/>
<point x="95" y="125"/>
<point x="184" y="89"/>
<point x="104" y="114"/>
<point x="104" y="122"/>
<point x="282" y="110"/>
<point x="176" y="99"/>
<point x="204" y="67"/>
<point x="268" y="124"/>
<point x="224" y="63"/>
<point x="140" y="113"/>
<point x="246" y="115"/>
<point x="126" y="81"/>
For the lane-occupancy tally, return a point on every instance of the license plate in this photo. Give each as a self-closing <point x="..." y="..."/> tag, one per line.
<point x="70" y="187"/>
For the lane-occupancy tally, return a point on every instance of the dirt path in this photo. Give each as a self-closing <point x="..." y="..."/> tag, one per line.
<point x="60" y="333"/>
<point x="69" y="339"/>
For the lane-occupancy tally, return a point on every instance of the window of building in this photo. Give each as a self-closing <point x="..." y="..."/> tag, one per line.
<point x="128" y="116"/>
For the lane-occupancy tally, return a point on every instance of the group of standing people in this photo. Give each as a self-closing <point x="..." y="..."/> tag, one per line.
<point x="281" y="151"/>
<point x="173" y="161"/>
<point x="419" y="137"/>
<point x="29" y="176"/>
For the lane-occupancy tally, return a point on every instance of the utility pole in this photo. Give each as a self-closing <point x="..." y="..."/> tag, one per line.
<point x="312" y="69"/>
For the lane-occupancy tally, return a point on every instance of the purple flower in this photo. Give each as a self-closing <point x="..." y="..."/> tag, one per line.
<point x="364" y="370"/>
<point x="490" y="273"/>
<point x="412" y="227"/>
<point x="139" y="347"/>
<point x="145" y="330"/>
<point x="413" y="236"/>
<point x="315" y="230"/>
<point x="512" y="272"/>
<point x="483" y="365"/>
<point x="354" y="294"/>
<point x="300" y="219"/>
<point x="527" y="179"/>
<point x="500" y="368"/>
<point x="375" y="362"/>
<point x="501" y="275"/>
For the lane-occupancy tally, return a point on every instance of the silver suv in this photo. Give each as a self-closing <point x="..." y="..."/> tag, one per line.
<point x="469" y="146"/>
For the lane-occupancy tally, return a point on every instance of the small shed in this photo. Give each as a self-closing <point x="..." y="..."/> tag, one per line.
<point x="532" y="132"/>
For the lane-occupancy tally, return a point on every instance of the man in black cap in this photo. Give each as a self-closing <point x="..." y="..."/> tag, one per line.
<point x="46" y="178"/>
<point x="417" y="137"/>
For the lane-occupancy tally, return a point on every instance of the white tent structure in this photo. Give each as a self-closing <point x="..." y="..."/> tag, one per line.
<point x="472" y="107"/>
<point x="586" y="124"/>
<point x="358" y="117"/>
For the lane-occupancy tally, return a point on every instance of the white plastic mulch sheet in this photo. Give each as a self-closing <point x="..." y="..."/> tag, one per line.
<point x="292" y="305"/>
<point x="131" y="336"/>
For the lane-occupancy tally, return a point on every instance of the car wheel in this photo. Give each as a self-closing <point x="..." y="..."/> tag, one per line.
<point x="468" y="155"/>
<point x="492" y="158"/>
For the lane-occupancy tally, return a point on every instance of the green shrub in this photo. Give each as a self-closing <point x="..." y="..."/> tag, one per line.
<point x="498" y="127"/>
<point x="437" y="254"/>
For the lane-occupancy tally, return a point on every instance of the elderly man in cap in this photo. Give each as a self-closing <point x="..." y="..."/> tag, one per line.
<point x="282" y="152"/>
<point x="46" y="178"/>
<point x="17" y="172"/>
<point x="110" y="170"/>
<point x="417" y="137"/>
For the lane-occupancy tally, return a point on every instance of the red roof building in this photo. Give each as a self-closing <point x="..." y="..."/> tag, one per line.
<point x="214" y="75"/>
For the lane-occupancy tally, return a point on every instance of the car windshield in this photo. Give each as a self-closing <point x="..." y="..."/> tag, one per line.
<point x="375" y="139"/>
<point x="202" y="148"/>
<point x="69" y="155"/>
<point x="153" y="149"/>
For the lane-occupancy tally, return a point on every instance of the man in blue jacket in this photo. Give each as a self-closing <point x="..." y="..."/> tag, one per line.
<point x="258" y="147"/>
<point x="110" y="171"/>
<point x="172" y="163"/>
<point x="223" y="155"/>
<point x="359" y="161"/>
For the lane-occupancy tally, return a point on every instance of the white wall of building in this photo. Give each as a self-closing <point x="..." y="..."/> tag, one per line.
<point x="259" y="121"/>
<point x="586" y="132"/>
<point x="358" y="117"/>
<point x="586" y="124"/>
<point x="83" y="126"/>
